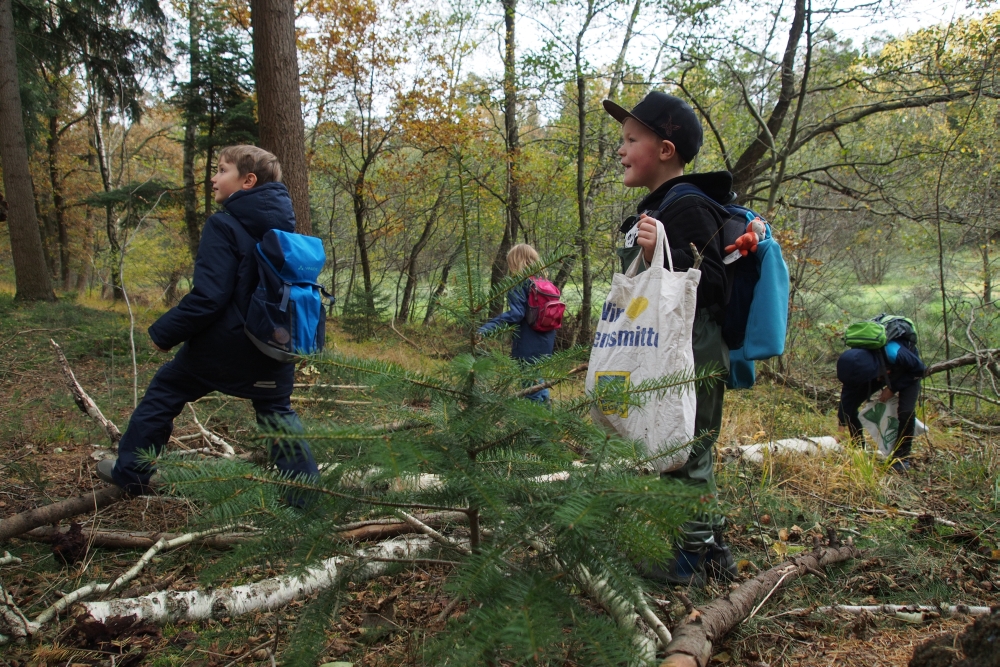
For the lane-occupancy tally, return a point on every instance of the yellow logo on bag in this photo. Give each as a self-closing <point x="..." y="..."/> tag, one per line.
<point x="636" y="306"/>
<point x="604" y="380"/>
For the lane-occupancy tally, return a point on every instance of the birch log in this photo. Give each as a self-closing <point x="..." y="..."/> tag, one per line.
<point x="168" y="606"/>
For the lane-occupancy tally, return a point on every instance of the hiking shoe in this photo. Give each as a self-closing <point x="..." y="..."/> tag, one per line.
<point x="721" y="565"/>
<point x="686" y="568"/>
<point x="900" y="466"/>
<point x="105" y="470"/>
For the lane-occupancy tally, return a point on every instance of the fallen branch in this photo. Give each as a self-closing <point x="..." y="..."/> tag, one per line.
<point x="693" y="639"/>
<point x="982" y="356"/>
<point x="168" y="606"/>
<point x="962" y="392"/>
<point x="212" y="439"/>
<point x="916" y="515"/>
<point x="821" y="395"/>
<point x="41" y="516"/>
<point x="551" y="383"/>
<point x="334" y="401"/>
<point x="912" y="613"/>
<point x="134" y="540"/>
<point x="422" y="527"/>
<point x="83" y="400"/>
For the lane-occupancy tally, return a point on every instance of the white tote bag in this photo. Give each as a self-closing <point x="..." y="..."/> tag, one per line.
<point x="881" y="420"/>
<point x="645" y="333"/>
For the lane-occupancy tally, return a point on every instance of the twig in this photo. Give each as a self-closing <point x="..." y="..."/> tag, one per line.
<point x="909" y="612"/>
<point x="937" y="519"/>
<point x="962" y="392"/>
<point x="249" y="653"/>
<point x="654" y="622"/>
<point x="334" y="401"/>
<point x="211" y="437"/>
<point x="422" y="527"/>
<point x="551" y="383"/>
<point x="345" y="387"/>
<point x="768" y="596"/>
<point x="447" y="611"/>
<point x="84" y="401"/>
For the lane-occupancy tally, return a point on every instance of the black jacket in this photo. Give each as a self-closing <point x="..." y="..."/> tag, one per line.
<point x="209" y="320"/>
<point x="858" y="366"/>
<point x="692" y="220"/>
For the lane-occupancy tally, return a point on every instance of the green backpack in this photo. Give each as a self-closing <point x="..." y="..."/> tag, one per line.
<point x="873" y="334"/>
<point x="868" y="335"/>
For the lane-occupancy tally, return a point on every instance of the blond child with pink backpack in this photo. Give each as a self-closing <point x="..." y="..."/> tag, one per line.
<point x="534" y="308"/>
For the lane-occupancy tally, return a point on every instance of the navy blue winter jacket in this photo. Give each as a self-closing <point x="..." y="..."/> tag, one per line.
<point x="528" y="344"/>
<point x="209" y="320"/>
<point x="859" y="366"/>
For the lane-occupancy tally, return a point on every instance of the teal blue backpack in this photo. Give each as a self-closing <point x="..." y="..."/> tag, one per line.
<point x="286" y="317"/>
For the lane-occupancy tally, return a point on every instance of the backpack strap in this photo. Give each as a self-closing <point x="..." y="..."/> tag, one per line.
<point x="685" y="190"/>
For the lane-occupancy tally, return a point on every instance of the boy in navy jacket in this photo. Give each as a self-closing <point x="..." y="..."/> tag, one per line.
<point x="216" y="354"/>
<point x="894" y="369"/>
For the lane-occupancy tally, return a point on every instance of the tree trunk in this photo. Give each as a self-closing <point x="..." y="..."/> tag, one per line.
<point x="747" y="166"/>
<point x="513" y="222"/>
<point x="582" y="240"/>
<point x="192" y="219"/>
<point x="58" y="201"/>
<point x="279" y="106"/>
<point x="360" y="213"/>
<point x="442" y="285"/>
<point x="31" y="275"/>
<point x="411" y="263"/>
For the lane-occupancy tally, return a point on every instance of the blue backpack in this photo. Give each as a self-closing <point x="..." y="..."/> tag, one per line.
<point x="286" y="317"/>
<point x="757" y="314"/>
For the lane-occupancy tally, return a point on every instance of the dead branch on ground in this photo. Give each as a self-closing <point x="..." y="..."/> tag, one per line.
<point x="551" y="383"/>
<point x="41" y="516"/>
<point x="911" y="613"/>
<point x="83" y="400"/>
<point x="693" y="639"/>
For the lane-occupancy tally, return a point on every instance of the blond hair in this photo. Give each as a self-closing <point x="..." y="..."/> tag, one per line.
<point x="521" y="257"/>
<point x="252" y="160"/>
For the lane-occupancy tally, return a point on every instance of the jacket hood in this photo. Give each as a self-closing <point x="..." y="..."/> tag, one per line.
<point x="262" y="209"/>
<point x="716" y="184"/>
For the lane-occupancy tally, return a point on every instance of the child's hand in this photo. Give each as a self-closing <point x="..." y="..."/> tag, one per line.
<point x="646" y="238"/>
<point x="885" y="395"/>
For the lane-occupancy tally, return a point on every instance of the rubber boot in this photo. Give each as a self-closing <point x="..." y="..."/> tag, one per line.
<point x="721" y="565"/>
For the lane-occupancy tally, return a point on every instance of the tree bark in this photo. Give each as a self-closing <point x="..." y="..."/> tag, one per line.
<point x="360" y="214"/>
<point x="32" y="277"/>
<point x="192" y="219"/>
<point x="279" y="105"/>
<point x="582" y="203"/>
<point x="58" y="199"/>
<point x="40" y="516"/>
<point x="749" y="163"/>
<point x="411" y="262"/>
<point x="692" y="643"/>
<point x="513" y="222"/>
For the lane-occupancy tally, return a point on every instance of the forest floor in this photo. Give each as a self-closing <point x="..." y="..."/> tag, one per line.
<point x="47" y="453"/>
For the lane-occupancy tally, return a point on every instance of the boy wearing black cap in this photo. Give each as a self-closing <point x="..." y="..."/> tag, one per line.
<point x="660" y="135"/>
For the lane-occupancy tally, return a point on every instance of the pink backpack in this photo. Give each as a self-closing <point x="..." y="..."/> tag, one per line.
<point x="545" y="310"/>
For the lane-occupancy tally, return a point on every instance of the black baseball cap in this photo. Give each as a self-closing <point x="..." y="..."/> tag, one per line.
<point x="669" y="117"/>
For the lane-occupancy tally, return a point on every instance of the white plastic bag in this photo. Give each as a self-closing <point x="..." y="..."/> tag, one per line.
<point x="881" y="420"/>
<point x="645" y="333"/>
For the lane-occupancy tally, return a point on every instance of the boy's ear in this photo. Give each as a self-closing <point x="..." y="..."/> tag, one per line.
<point x="667" y="151"/>
<point x="249" y="181"/>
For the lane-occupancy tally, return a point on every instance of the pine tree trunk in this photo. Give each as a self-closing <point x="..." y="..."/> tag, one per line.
<point x="58" y="201"/>
<point x="583" y="238"/>
<point x="31" y="275"/>
<point x="279" y="106"/>
<point x="441" y="287"/>
<point x="513" y="150"/>
<point x="192" y="218"/>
